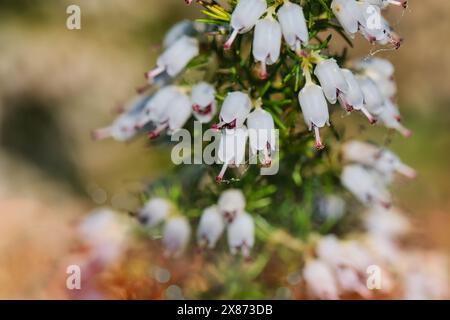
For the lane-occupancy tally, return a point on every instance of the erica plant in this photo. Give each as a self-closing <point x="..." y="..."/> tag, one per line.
<point x="286" y="184"/>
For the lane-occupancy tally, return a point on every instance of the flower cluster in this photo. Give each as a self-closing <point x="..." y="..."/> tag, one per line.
<point x="229" y="213"/>
<point x="364" y="17"/>
<point x="262" y="62"/>
<point x="369" y="171"/>
<point x="339" y="267"/>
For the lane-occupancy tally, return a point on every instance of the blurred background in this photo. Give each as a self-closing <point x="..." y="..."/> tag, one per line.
<point x="56" y="85"/>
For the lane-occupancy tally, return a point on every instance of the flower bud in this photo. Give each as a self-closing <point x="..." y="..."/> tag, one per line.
<point x="244" y="17"/>
<point x="266" y="43"/>
<point x="331" y="79"/>
<point x="320" y="280"/>
<point x="204" y="102"/>
<point x="210" y="228"/>
<point x="241" y="234"/>
<point x="176" y="57"/>
<point x="176" y="235"/>
<point x="155" y="211"/>
<point x="231" y="203"/>
<point x="365" y="185"/>
<point x="235" y="109"/>
<point x="293" y="25"/>
<point x="261" y="130"/>
<point x="314" y="108"/>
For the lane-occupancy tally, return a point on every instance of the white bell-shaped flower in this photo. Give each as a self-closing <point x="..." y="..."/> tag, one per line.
<point x="348" y="13"/>
<point x="154" y="212"/>
<point x="381" y="71"/>
<point x="381" y="159"/>
<point x="124" y="127"/>
<point x="314" y="108"/>
<point x="232" y="149"/>
<point x="335" y="254"/>
<point x="175" y="58"/>
<point x="241" y="234"/>
<point x="156" y="107"/>
<point x="175" y="115"/>
<point x="266" y="43"/>
<point x="234" y="111"/>
<point x="231" y="203"/>
<point x="390" y="118"/>
<point x="353" y="99"/>
<point x="176" y="235"/>
<point x="376" y="66"/>
<point x="329" y="250"/>
<point x="331" y="79"/>
<point x="386" y="223"/>
<point x="320" y="280"/>
<point x="366" y="185"/>
<point x="204" y="104"/>
<point x="373" y="99"/>
<point x="105" y="232"/>
<point x="180" y="29"/>
<point x="293" y="25"/>
<point x="244" y="17"/>
<point x="261" y="130"/>
<point x="375" y="28"/>
<point x="211" y="227"/>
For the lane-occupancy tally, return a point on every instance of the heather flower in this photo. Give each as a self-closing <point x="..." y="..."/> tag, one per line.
<point x="293" y="25"/>
<point x="105" y="234"/>
<point x="154" y="212"/>
<point x="373" y="99"/>
<point x="211" y="227"/>
<point x="261" y="134"/>
<point x="381" y="159"/>
<point x="232" y="149"/>
<point x="348" y="13"/>
<point x="235" y="109"/>
<point x="244" y="17"/>
<point x="331" y="79"/>
<point x="365" y="185"/>
<point x="240" y="235"/>
<point x="320" y="280"/>
<point x="176" y="235"/>
<point x="353" y="99"/>
<point x="175" y="58"/>
<point x="180" y="29"/>
<point x="231" y="203"/>
<point x="204" y="104"/>
<point x="314" y="108"/>
<point x="386" y="223"/>
<point x="266" y="42"/>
